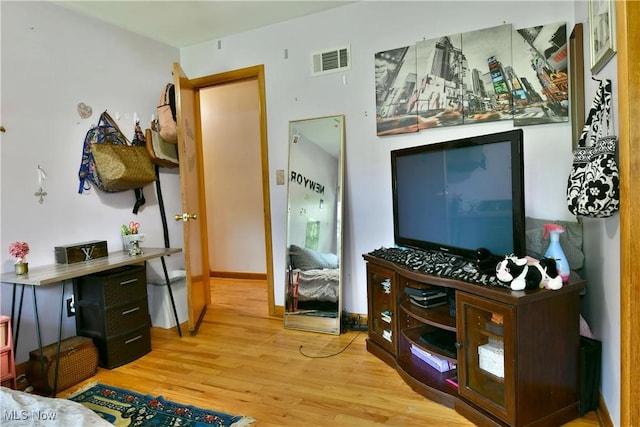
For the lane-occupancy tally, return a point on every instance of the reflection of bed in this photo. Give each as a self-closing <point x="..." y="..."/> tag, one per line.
<point x="313" y="280"/>
<point x="20" y="409"/>
<point x="320" y="285"/>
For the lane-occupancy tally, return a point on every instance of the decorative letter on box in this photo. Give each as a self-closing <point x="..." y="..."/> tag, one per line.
<point x="79" y="252"/>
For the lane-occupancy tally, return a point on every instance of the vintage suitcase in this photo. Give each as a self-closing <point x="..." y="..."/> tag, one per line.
<point x="78" y="361"/>
<point x="79" y="252"/>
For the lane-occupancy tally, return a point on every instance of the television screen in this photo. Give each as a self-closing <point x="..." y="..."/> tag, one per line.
<point x="458" y="196"/>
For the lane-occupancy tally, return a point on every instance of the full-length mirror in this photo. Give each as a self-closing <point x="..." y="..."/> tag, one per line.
<point x="313" y="289"/>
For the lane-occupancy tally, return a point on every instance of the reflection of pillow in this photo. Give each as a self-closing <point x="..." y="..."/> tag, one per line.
<point x="308" y="259"/>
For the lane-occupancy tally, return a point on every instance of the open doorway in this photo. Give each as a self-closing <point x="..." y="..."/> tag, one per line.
<point x="232" y="112"/>
<point x="230" y="123"/>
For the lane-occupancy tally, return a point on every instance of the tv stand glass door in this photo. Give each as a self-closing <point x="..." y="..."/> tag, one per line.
<point x="486" y="377"/>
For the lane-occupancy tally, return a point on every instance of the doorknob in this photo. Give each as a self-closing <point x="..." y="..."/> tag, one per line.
<point x="185" y="217"/>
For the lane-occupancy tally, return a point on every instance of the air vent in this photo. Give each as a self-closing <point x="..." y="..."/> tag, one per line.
<point x="331" y="61"/>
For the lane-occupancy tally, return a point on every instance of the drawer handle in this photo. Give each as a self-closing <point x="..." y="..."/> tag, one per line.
<point x="133" y="339"/>
<point x="124" y="313"/>
<point x="126" y="282"/>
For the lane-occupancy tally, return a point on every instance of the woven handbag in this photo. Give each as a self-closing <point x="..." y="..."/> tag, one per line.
<point x="593" y="187"/>
<point x="113" y="169"/>
<point x="123" y="167"/>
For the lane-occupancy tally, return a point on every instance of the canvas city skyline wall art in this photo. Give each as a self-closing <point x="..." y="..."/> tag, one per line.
<point x="486" y="75"/>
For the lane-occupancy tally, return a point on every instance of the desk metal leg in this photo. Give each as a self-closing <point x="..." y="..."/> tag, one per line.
<point x="38" y="334"/>
<point x="16" y="321"/>
<point x="13" y="310"/>
<point x="173" y="303"/>
<point x="55" y="377"/>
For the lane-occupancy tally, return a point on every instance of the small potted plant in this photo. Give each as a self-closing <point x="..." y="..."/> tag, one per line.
<point x="19" y="250"/>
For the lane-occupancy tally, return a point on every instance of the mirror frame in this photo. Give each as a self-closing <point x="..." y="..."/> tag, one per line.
<point x="309" y="322"/>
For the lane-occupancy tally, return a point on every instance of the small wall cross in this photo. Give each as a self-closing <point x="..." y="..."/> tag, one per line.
<point x="40" y="193"/>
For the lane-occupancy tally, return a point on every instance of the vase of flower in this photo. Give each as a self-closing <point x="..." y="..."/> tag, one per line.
<point x="132" y="243"/>
<point x="21" y="268"/>
<point x="19" y="250"/>
<point x="131" y="238"/>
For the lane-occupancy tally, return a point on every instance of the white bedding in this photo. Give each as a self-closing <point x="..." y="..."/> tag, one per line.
<point x="25" y="409"/>
<point x="318" y="285"/>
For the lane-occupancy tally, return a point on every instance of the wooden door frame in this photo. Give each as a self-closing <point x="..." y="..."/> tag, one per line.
<point x="628" y="92"/>
<point x="252" y="73"/>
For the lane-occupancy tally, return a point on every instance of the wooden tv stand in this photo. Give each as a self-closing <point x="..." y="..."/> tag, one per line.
<point x="533" y="381"/>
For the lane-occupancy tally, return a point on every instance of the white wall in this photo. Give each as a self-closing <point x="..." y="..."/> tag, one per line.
<point x="53" y="59"/>
<point x="601" y="307"/>
<point x="370" y="27"/>
<point x="233" y="177"/>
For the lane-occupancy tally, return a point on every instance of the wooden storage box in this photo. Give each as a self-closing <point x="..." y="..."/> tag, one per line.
<point x="78" y="361"/>
<point x="79" y="252"/>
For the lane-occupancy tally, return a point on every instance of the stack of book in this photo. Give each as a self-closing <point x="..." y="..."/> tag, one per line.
<point x="426" y="298"/>
<point x="442" y="365"/>
<point x="496" y="324"/>
<point x="386" y="286"/>
<point x="453" y="381"/>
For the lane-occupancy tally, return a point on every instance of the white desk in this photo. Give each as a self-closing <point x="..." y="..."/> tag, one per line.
<point x="57" y="274"/>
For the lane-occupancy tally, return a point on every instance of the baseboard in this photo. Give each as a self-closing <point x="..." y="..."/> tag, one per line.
<point x="354" y="321"/>
<point x="238" y="275"/>
<point x="278" y="311"/>
<point x="604" y="418"/>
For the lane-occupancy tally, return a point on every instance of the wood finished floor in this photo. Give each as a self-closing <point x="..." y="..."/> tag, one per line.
<point x="244" y="362"/>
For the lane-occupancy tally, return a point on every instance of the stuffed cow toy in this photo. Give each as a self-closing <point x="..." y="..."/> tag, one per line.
<point x="527" y="273"/>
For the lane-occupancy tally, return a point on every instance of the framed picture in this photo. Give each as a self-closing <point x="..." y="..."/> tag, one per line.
<point x="601" y="33"/>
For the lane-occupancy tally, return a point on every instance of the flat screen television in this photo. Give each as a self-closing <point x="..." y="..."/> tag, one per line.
<point x="461" y="195"/>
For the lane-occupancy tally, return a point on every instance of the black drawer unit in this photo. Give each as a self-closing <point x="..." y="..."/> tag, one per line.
<point x="124" y="348"/>
<point x="112" y="309"/>
<point x="113" y="286"/>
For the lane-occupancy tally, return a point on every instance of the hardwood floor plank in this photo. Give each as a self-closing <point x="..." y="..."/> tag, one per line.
<point x="242" y="361"/>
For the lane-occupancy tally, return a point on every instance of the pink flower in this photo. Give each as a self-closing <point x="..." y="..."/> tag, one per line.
<point x="19" y="250"/>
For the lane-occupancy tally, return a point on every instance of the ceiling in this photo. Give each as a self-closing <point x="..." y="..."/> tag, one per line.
<point x="181" y="23"/>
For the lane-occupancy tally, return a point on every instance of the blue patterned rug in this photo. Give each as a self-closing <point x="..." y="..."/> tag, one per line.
<point x="122" y="407"/>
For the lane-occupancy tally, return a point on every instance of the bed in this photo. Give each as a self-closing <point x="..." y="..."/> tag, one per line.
<point x="25" y="409"/>
<point x="313" y="279"/>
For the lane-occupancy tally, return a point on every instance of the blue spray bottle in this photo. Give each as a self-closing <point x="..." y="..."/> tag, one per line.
<point x="555" y="250"/>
